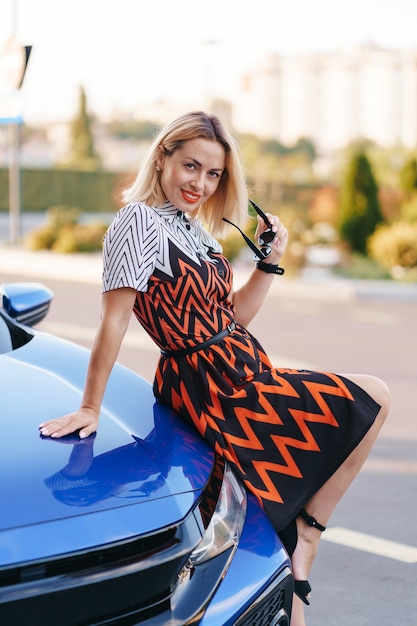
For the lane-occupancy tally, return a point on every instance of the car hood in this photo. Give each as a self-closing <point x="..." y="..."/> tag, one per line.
<point x="142" y="470"/>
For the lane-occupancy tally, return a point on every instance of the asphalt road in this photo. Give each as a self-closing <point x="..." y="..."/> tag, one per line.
<point x="366" y="570"/>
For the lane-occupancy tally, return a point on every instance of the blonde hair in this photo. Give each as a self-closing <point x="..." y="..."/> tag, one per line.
<point x="230" y="199"/>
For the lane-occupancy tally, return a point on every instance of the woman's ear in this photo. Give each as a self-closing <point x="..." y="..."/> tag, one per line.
<point x="160" y="159"/>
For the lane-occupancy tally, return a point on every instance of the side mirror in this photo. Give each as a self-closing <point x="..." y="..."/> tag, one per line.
<point x="27" y="303"/>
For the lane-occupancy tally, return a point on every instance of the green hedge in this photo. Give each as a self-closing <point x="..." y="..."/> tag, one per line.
<point x="43" y="188"/>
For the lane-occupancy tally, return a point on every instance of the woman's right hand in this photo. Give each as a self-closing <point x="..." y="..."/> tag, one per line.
<point x="85" y="420"/>
<point x="117" y="306"/>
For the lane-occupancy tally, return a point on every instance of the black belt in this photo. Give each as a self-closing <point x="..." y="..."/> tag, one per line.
<point x="204" y="344"/>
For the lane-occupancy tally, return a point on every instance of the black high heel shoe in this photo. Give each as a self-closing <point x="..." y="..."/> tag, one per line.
<point x="289" y="537"/>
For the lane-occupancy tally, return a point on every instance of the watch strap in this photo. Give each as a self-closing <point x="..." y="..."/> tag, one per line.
<point x="269" y="268"/>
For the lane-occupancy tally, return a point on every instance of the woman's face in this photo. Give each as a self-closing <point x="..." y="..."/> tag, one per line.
<point x="192" y="173"/>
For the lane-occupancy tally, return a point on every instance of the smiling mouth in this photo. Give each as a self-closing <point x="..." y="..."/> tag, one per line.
<point x="190" y="197"/>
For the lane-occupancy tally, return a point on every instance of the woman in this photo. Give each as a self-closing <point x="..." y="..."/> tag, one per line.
<point x="296" y="438"/>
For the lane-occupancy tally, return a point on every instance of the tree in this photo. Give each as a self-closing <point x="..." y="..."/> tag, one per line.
<point x="408" y="176"/>
<point x="360" y="210"/>
<point x="306" y="147"/>
<point x="83" y="155"/>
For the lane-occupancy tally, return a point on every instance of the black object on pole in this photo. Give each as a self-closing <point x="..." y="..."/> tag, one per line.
<point x="27" y="50"/>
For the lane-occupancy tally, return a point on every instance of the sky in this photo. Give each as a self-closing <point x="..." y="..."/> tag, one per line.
<point x="128" y="53"/>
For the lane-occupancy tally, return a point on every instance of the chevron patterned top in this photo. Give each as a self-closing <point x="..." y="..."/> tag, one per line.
<point x="138" y="239"/>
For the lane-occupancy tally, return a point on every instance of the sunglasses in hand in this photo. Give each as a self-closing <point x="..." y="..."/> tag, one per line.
<point x="264" y="240"/>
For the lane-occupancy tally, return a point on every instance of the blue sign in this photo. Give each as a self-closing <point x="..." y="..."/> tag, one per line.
<point x="12" y="119"/>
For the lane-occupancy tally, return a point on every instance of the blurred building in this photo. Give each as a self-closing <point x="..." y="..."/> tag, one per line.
<point x="333" y="99"/>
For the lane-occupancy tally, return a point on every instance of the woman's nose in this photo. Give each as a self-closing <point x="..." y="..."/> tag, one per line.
<point x="198" y="181"/>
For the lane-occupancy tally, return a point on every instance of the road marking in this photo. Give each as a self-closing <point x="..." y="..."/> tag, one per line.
<point x="371" y="544"/>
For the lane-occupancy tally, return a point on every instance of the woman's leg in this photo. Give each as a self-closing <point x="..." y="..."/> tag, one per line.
<point x="322" y="504"/>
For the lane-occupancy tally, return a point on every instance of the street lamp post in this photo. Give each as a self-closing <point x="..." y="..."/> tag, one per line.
<point x="13" y="63"/>
<point x="14" y="183"/>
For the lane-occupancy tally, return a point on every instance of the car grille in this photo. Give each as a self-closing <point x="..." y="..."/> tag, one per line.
<point x="113" y="556"/>
<point x="273" y="607"/>
<point x="124" y="584"/>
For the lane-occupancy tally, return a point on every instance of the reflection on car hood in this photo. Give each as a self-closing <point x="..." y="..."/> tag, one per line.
<point x="142" y="470"/>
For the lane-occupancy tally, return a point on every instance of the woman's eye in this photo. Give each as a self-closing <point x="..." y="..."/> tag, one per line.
<point x="190" y="166"/>
<point x="214" y="174"/>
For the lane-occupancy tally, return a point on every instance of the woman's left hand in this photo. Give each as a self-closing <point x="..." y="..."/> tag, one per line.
<point x="279" y="244"/>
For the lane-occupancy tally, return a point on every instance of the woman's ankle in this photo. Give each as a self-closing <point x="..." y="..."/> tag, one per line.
<point x="305" y="551"/>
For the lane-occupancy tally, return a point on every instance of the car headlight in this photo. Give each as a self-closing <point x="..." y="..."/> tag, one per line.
<point x="226" y="523"/>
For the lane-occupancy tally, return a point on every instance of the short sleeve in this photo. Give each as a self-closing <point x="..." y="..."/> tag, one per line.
<point x="130" y="248"/>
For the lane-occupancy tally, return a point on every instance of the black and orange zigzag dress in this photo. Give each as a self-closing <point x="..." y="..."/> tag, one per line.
<point x="284" y="431"/>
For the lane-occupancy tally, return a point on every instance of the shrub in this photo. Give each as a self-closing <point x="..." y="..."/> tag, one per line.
<point x="63" y="232"/>
<point x="91" y="192"/>
<point x="395" y="246"/>
<point x="80" y="238"/>
<point x="409" y="211"/>
<point x="408" y="176"/>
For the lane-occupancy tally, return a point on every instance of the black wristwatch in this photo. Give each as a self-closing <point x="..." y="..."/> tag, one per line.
<point x="269" y="268"/>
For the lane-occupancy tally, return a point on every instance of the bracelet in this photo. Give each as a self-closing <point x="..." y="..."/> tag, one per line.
<point x="269" y="268"/>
